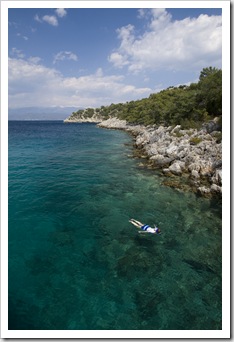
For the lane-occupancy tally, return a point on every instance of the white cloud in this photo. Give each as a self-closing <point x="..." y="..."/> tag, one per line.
<point x="61" y="12"/>
<point x="118" y="60"/>
<point x="141" y="13"/>
<point x="50" y="19"/>
<point x="126" y="34"/>
<point x="34" y="60"/>
<point x="32" y="84"/>
<point x="20" y="35"/>
<point x="173" y="45"/>
<point x="17" y="53"/>
<point x="99" y="72"/>
<point x="65" y="55"/>
<point x="37" y="18"/>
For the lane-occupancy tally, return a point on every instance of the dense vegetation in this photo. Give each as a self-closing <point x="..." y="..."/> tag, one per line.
<point x="189" y="106"/>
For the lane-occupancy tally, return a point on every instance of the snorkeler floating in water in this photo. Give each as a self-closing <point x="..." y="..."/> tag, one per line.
<point x="145" y="227"/>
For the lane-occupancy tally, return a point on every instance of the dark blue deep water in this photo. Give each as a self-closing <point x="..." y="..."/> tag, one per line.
<point x="75" y="262"/>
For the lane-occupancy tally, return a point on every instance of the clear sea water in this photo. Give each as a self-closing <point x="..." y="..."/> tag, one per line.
<point x="75" y="262"/>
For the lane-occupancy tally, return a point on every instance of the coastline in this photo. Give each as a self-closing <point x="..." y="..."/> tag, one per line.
<point x="82" y="120"/>
<point x="188" y="159"/>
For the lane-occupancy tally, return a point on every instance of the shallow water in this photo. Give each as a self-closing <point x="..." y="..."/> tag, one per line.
<point x="75" y="262"/>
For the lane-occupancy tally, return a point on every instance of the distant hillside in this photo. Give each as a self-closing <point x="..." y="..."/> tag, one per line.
<point x="188" y="106"/>
<point x="40" y="113"/>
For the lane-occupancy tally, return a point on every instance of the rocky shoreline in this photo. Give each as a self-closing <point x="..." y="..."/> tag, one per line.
<point x="94" y="119"/>
<point x="189" y="159"/>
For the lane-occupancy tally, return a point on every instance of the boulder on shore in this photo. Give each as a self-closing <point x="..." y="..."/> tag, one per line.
<point x="177" y="168"/>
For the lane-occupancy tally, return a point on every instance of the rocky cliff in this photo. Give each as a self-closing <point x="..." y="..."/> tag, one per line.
<point x="94" y="119"/>
<point x="85" y="115"/>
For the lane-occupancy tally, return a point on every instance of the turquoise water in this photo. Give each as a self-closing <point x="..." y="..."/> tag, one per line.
<point x="75" y="262"/>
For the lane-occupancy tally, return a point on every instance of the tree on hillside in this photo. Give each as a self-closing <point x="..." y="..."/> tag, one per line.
<point x="188" y="106"/>
<point x="210" y="90"/>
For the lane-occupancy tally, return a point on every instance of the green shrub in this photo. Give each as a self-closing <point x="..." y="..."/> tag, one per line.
<point x="195" y="140"/>
<point x="217" y="136"/>
<point x="178" y="134"/>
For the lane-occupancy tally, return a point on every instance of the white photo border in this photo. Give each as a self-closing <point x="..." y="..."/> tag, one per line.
<point x="225" y="332"/>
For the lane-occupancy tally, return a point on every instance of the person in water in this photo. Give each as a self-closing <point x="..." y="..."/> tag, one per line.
<point x="145" y="227"/>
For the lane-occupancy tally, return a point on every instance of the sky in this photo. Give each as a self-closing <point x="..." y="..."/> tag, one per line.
<point x="89" y="57"/>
